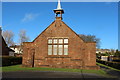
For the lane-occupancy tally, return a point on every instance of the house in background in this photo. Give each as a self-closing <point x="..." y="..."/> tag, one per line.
<point x="18" y="50"/>
<point x="11" y="52"/>
<point x="102" y="50"/>
<point x="104" y="58"/>
<point x="58" y="46"/>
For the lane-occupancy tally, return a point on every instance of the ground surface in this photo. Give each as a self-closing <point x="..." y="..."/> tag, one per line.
<point x="51" y="74"/>
<point x="77" y="74"/>
<point x="111" y="72"/>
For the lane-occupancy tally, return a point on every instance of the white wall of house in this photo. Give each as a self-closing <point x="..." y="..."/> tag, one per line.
<point x="104" y="58"/>
<point x="17" y="50"/>
<point x="11" y="53"/>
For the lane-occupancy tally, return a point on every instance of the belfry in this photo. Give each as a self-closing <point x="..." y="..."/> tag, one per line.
<point x="59" y="11"/>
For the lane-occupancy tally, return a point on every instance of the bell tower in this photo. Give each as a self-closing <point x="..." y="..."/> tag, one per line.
<point x="59" y="11"/>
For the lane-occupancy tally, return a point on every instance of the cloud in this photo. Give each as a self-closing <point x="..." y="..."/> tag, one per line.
<point x="29" y="17"/>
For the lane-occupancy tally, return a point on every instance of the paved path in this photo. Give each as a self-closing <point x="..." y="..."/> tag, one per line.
<point x="56" y="74"/>
<point x="48" y="74"/>
<point x="51" y="74"/>
<point x="111" y="72"/>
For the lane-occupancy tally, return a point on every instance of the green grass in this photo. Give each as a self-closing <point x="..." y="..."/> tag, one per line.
<point x="20" y="68"/>
<point x="107" y="67"/>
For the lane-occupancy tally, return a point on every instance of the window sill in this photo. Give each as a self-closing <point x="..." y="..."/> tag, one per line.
<point x="57" y="56"/>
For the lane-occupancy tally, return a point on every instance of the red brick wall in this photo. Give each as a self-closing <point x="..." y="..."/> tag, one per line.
<point x="90" y="54"/>
<point x="80" y="53"/>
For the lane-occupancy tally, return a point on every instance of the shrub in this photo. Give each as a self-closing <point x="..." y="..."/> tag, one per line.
<point x="9" y="60"/>
<point x="109" y="63"/>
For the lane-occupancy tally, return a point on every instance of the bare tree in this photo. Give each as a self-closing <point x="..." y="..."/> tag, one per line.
<point x="22" y="38"/>
<point x="8" y="37"/>
<point x="91" y="38"/>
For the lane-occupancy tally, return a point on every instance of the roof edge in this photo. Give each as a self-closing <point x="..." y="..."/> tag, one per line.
<point x="73" y="31"/>
<point x="43" y="31"/>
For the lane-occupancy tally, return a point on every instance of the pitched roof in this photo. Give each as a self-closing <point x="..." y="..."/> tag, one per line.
<point x="43" y="31"/>
<point x="63" y="23"/>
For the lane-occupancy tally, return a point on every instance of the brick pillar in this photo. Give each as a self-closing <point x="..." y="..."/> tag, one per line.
<point x="90" y="54"/>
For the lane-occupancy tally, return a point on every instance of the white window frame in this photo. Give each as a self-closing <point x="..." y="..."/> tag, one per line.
<point x="58" y="42"/>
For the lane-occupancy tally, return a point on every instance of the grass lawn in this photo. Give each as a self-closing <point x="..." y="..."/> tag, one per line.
<point x="20" y="68"/>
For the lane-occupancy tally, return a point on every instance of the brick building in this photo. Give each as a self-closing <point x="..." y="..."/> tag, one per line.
<point x="59" y="46"/>
<point x="4" y="50"/>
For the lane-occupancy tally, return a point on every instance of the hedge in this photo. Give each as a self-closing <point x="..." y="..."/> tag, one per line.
<point x="109" y="63"/>
<point x="9" y="60"/>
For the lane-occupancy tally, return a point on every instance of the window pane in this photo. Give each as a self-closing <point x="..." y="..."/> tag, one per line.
<point x="54" y="49"/>
<point x="65" y="40"/>
<point x="60" y="40"/>
<point x="49" y="49"/>
<point x="65" y="46"/>
<point x="49" y="41"/>
<point x="55" y="40"/>
<point x="60" y="52"/>
<point x="65" y="49"/>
